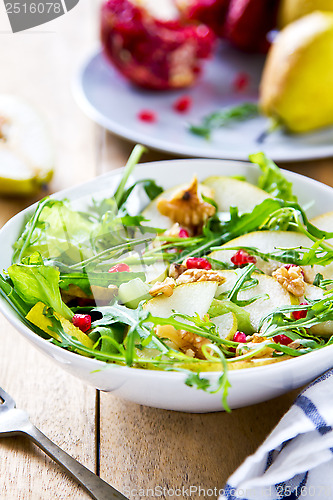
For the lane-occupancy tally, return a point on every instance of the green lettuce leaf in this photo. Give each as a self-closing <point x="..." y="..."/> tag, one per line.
<point x="34" y="282"/>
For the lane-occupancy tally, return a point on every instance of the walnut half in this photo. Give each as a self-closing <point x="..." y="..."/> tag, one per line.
<point x="166" y="287"/>
<point x="291" y="279"/>
<point x="187" y="206"/>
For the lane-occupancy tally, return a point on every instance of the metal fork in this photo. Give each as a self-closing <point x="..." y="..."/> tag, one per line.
<point x="15" y="422"/>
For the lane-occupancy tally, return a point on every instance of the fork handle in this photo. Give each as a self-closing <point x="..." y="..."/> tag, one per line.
<point x="93" y="484"/>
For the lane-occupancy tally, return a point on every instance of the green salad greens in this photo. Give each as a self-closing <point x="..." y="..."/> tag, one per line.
<point x="210" y="276"/>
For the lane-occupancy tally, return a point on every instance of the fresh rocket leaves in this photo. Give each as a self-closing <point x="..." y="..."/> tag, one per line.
<point x="272" y="180"/>
<point x="224" y="117"/>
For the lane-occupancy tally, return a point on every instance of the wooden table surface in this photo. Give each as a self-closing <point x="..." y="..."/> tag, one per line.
<point x="130" y="446"/>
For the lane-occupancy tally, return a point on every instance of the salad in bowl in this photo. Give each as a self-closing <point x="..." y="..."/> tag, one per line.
<point x="153" y="290"/>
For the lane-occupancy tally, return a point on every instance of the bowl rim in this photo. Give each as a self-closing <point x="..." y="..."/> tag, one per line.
<point x="233" y="374"/>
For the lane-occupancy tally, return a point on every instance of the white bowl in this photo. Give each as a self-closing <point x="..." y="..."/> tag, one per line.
<point x="167" y="389"/>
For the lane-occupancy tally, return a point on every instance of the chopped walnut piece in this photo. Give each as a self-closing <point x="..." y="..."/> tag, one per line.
<point x="187" y="342"/>
<point x="291" y="279"/>
<point x="295" y="344"/>
<point x="175" y="270"/>
<point x="187" y="206"/>
<point x="166" y="287"/>
<point x="193" y="275"/>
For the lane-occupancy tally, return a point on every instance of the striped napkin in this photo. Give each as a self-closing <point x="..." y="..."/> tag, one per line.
<point x="296" y="460"/>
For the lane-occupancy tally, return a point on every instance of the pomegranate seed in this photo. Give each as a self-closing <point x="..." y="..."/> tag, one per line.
<point x="183" y="104"/>
<point x="198" y="263"/>
<point x="241" y="82"/>
<point x="282" y="339"/>
<point x="288" y="266"/>
<point x="239" y="337"/>
<point x="82" y="321"/>
<point x="147" y="116"/>
<point x="241" y="258"/>
<point x="119" y="268"/>
<point x="302" y="313"/>
<point x="183" y="233"/>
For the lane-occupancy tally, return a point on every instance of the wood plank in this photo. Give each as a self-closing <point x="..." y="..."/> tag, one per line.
<point x="40" y="67"/>
<point x="144" y="448"/>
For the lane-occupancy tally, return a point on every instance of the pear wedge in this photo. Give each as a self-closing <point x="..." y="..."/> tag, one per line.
<point x="190" y="298"/>
<point x="267" y="242"/>
<point x="324" y="222"/>
<point x="297" y="82"/>
<point x="230" y="192"/>
<point x="26" y="151"/>
<point x="313" y="292"/>
<point x="226" y="325"/>
<point x="273" y="295"/>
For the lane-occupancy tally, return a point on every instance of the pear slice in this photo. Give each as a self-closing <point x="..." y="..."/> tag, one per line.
<point x="313" y="292"/>
<point x="230" y="192"/>
<point x="226" y="325"/>
<point x="26" y="152"/>
<point x="267" y="242"/>
<point x="324" y="222"/>
<point x="190" y="299"/>
<point x="274" y="295"/>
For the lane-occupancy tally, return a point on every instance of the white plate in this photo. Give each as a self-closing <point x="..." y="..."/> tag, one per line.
<point x="167" y="389"/>
<point x="114" y="103"/>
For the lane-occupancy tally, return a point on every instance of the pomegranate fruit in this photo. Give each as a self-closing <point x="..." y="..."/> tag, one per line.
<point x="151" y="52"/>
<point x="248" y="22"/>
<point x="210" y="12"/>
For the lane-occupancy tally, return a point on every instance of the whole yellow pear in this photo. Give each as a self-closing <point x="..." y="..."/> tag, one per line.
<point x="297" y="82"/>
<point x="290" y="10"/>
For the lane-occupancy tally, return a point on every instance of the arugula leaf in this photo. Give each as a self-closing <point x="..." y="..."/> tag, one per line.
<point x="272" y="180"/>
<point x="194" y="380"/>
<point x="223" y="117"/>
<point x="34" y="282"/>
<point x="103" y="279"/>
<point x="129" y="167"/>
<point x="134" y="318"/>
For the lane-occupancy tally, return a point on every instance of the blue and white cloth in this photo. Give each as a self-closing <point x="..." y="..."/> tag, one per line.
<point x="296" y="460"/>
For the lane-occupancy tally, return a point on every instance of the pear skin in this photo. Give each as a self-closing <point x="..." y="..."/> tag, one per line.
<point x="290" y="10"/>
<point x="297" y="82"/>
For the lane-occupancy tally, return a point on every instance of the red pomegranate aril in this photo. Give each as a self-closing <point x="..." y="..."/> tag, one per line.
<point x="119" y="268"/>
<point x="147" y="116"/>
<point x="282" y="339"/>
<point x="242" y="257"/>
<point x="183" y="104"/>
<point x="301" y="314"/>
<point x="183" y="233"/>
<point x="241" y="82"/>
<point x="198" y="263"/>
<point x="82" y="321"/>
<point x="240" y="337"/>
